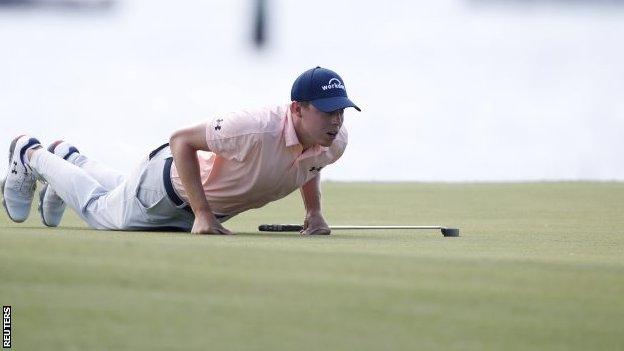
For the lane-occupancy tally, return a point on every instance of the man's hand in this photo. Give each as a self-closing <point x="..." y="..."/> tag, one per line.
<point x="207" y="223"/>
<point x="314" y="224"/>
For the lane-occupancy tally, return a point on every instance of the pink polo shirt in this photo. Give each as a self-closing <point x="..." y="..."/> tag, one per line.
<point x="256" y="158"/>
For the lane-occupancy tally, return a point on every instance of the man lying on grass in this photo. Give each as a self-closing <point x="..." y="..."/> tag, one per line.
<point x="205" y="175"/>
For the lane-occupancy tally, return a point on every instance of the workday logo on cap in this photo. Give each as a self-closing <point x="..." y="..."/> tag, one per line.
<point x="333" y="83"/>
<point x="323" y="88"/>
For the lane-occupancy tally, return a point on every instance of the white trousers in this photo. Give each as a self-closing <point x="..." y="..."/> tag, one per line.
<point x="105" y="199"/>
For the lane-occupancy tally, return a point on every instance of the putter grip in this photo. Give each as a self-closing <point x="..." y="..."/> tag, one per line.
<point x="280" y="228"/>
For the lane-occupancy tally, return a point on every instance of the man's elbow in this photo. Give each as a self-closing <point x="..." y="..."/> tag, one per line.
<point x="192" y="139"/>
<point x="174" y="138"/>
<point x="178" y="139"/>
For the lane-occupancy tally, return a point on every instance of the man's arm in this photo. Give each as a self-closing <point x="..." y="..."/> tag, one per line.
<point x="314" y="222"/>
<point x="184" y="145"/>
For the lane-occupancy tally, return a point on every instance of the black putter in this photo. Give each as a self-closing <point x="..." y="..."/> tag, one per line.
<point x="450" y="232"/>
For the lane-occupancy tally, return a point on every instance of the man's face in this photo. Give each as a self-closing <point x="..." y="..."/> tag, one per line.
<point x="320" y="128"/>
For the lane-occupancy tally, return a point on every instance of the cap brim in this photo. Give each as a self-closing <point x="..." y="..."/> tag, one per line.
<point x="332" y="104"/>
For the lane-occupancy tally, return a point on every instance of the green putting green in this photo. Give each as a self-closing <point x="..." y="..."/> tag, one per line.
<point x="538" y="266"/>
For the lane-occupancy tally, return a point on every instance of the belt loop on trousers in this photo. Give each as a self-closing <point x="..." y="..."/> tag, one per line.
<point x="173" y="196"/>
<point x="169" y="186"/>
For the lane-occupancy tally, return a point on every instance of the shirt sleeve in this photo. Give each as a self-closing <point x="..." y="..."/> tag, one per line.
<point x="232" y="136"/>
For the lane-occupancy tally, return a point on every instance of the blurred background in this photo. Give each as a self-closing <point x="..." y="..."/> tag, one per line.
<point x="451" y="90"/>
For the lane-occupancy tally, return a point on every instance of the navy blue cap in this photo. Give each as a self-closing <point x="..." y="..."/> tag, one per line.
<point x="323" y="88"/>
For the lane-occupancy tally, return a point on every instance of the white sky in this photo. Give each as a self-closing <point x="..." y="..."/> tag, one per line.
<point x="450" y="90"/>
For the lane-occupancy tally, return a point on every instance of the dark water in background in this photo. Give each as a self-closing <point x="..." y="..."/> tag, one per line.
<point x="450" y="90"/>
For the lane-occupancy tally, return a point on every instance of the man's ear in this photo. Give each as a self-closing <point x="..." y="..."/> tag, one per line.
<point x="295" y="108"/>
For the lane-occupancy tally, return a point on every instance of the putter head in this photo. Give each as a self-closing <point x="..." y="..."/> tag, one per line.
<point x="450" y="231"/>
<point x="280" y="227"/>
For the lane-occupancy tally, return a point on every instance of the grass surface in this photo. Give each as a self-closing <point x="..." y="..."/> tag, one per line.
<point x="538" y="267"/>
